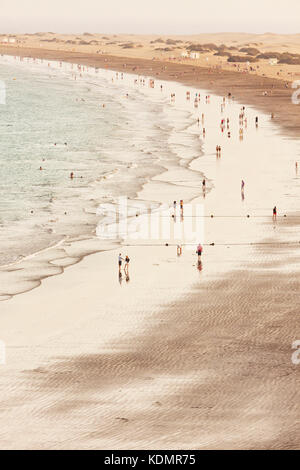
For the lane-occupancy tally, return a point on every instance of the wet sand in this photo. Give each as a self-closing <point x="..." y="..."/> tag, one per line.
<point x="177" y="357"/>
<point x="246" y="88"/>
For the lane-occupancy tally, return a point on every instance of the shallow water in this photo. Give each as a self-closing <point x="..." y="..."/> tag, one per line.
<point x="112" y="150"/>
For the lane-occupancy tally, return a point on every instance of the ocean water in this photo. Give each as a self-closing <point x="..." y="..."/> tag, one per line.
<point x="112" y="132"/>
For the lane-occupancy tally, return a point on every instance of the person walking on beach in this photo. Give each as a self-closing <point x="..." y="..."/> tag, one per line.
<point x="199" y="253"/>
<point x="126" y="268"/>
<point x="243" y="190"/>
<point x="274" y="213"/>
<point x="120" y="259"/>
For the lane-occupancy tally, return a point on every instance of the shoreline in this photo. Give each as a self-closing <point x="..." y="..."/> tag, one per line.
<point x="247" y="89"/>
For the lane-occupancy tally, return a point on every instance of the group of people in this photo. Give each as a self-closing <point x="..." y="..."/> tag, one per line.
<point x="126" y="261"/>
<point x="175" y="207"/>
<point x="218" y="150"/>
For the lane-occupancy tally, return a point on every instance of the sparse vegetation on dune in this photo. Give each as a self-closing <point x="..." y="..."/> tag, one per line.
<point x="283" y="58"/>
<point x="223" y="54"/>
<point x="210" y="46"/>
<point x="290" y="60"/>
<point x="50" y="40"/>
<point x="128" y="45"/>
<point x="171" y="42"/>
<point x="269" y="55"/>
<point x="250" y="50"/>
<point x="239" y="58"/>
<point x="197" y="48"/>
<point x="155" y="41"/>
<point x="164" y="49"/>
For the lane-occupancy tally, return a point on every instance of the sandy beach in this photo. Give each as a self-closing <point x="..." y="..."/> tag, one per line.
<point x="174" y="357"/>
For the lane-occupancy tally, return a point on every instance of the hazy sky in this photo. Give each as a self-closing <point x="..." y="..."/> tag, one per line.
<point x="156" y="16"/>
